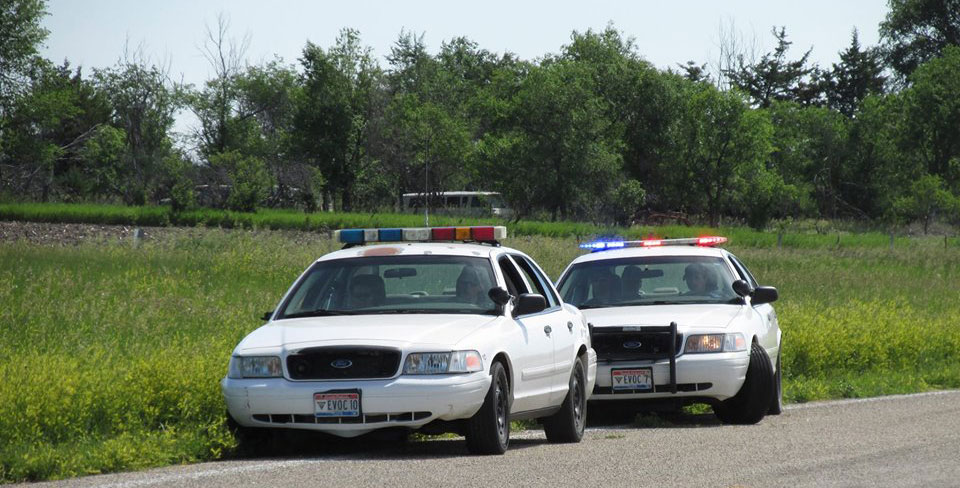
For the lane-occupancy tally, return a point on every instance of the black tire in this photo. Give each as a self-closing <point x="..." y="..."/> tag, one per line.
<point x="488" y="431"/>
<point x="567" y="425"/>
<point x="751" y="403"/>
<point x="250" y="440"/>
<point x="776" y="401"/>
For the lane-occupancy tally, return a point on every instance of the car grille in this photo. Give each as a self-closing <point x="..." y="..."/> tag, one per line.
<point x="633" y="343"/>
<point x="343" y="363"/>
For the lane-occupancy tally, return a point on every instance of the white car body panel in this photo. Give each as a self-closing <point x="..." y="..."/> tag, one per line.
<point x="539" y="363"/>
<point x="724" y="371"/>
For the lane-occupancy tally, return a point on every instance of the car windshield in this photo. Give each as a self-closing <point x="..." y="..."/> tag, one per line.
<point x="648" y="280"/>
<point x="393" y="284"/>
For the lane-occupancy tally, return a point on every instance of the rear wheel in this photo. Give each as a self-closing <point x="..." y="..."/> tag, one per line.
<point x="567" y="424"/>
<point x="776" y="402"/>
<point x="751" y="403"/>
<point x="488" y="431"/>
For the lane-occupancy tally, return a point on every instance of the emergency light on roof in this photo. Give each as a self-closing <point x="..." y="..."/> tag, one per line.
<point x="421" y="234"/>
<point x="707" y="241"/>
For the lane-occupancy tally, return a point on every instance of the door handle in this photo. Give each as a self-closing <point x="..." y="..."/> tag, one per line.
<point x="547" y="329"/>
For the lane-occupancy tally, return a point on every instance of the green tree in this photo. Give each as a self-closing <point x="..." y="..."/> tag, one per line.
<point x="916" y="31"/>
<point x="103" y="171"/>
<point x="640" y="102"/>
<point x="811" y="155"/>
<point x="930" y="133"/>
<point x="21" y="34"/>
<point x="268" y="96"/>
<point x="774" y="77"/>
<point x="425" y="139"/>
<point x="332" y="121"/>
<point x="877" y="167"/>
<point x="248" y="177"/>
<point x="222" y="122"/>
<point x="859" y="74"/>
<point x="47" y="127"/>
<point x="627" y="200"/>
<point x="717" y="145"/>
<point x="144" y="101"/>
<point x="555" y="153"/>
<point x="924" y="200"/>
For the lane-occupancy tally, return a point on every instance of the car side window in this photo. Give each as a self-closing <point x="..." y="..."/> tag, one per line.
<point x="514" y="281"/>
<point x="536" y="279"/>
<point x="742" y="270"/>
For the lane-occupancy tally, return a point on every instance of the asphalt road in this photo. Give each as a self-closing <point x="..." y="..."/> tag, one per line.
<point x="911" y="440"/>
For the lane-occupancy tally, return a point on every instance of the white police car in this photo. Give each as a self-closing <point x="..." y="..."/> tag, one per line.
<point x="410" y="328"/>
<point x="676" y="322"/>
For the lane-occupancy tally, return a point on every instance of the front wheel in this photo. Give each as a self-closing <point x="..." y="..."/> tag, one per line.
<point x="488" y="431"/>
<point x="567" y="424"/>
<point x="751" y="403"/>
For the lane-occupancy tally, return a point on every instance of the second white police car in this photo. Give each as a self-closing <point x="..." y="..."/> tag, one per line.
<point x="676" y="322"/>
<point x="436" y="329"/>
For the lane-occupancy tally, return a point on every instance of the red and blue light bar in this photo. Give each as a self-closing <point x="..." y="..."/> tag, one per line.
<point x="604" y="245"/>
<point x="488" y="233"/>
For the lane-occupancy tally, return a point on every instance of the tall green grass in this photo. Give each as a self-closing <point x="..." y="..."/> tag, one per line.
<point x="111" y="354"/>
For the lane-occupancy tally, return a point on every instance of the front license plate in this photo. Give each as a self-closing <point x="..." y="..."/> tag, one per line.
<point x="632" y="379"/>
<point x="345" y="403"/>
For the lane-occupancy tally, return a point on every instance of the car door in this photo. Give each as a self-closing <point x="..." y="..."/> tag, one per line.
<point x="533" y="366"/>
<point x="564" y="338"/>
<point x="767" y="315"/>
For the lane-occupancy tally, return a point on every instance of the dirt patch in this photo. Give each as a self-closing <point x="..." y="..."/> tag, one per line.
<point x="73" y="234"/>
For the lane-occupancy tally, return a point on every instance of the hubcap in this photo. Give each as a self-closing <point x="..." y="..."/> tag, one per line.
<point x="577" y="400"/>
<point x="501" y="399"/>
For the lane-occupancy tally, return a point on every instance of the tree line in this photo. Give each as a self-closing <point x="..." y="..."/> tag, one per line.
<point x="593" y="132"/>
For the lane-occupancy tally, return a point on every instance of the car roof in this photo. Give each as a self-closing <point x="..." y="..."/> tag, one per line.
<point x="418" y="248"/>
<point x="631" y="252"/>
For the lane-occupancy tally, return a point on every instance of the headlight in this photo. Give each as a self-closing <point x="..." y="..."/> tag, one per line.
<point x="255" y="367"/>
<point x="715" y="343"/>
<point x="442" y="362"/>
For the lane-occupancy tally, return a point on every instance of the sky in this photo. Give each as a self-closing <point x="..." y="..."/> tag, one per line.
<point x="94" y="33"/>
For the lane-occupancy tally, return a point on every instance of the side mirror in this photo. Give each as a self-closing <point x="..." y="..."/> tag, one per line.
<point x="266" y="316"/>
<point x="529" y="303"/>
<point x="764" y="294"/>
<point x="499" y="296"/>
<point x="741" y="288"/>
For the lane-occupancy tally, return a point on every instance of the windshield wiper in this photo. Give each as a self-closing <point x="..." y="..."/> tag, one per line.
<point x="433" y="311"/>
<point x="318" y="313"/>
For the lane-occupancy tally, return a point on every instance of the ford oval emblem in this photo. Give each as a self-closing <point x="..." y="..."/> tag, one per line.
<point x="631" y="345"/>
<point x="342" y="363"/>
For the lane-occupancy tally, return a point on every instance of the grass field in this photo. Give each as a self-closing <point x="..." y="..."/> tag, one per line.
<point x="111" y="354"/>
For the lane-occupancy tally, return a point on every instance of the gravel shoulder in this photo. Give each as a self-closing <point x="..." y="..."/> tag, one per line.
<point x="909" y="440"/>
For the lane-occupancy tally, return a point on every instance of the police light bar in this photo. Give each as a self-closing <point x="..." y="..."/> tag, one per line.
<point x="706" y="241"/>
<point x="488" y="233"/>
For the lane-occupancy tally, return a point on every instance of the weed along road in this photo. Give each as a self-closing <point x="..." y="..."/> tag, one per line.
<point x="909" y="440"/>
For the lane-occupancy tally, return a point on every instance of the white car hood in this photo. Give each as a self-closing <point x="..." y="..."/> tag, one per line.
<point x="693" y="315"/>
<point x="383" y="330"/>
